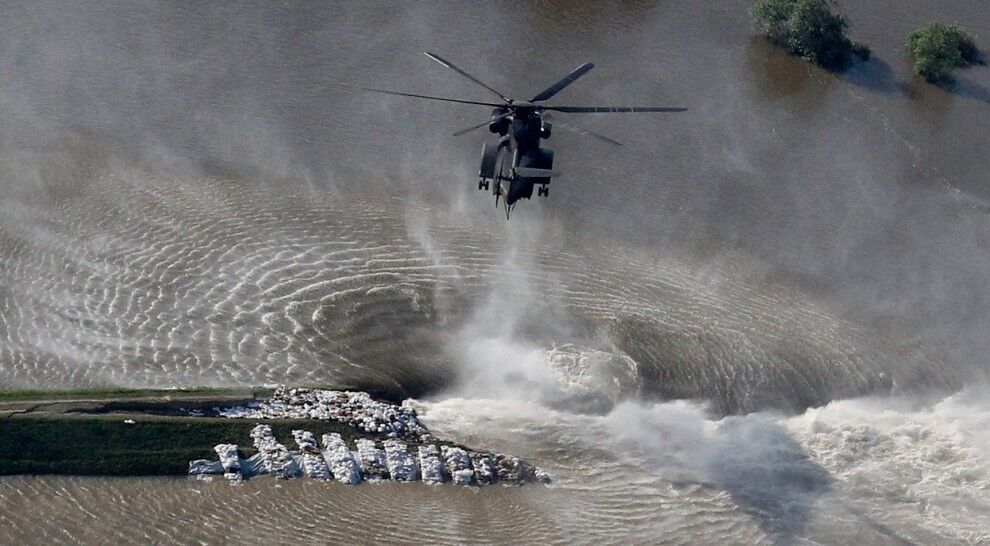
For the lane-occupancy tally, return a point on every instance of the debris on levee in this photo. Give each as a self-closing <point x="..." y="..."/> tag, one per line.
<point x="430" y="465"/>
<point x="314" y="465"/>
<point x="402" y="465"/>
<point x="484" y="468"/>
<point x="372" y="459"/>
<point x="230" y="460"/>
<point x="515" y="470"/>
<point x="393" y="445"/>
<point x="353" y="408"/>
<point x="458" y="463"/>
<point x="275" y="458"/>
<point x="345" y="468"/>
<point x="202" y="467"/>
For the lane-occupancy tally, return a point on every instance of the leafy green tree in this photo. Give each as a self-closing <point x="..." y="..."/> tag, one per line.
<point x="770" y="18"/>
<point x="938" y="49"/>
<point x="808" y="28"/>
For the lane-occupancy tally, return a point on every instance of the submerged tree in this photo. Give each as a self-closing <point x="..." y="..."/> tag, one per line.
<point x="938" y="49"/>
<point x="808" y="28"/>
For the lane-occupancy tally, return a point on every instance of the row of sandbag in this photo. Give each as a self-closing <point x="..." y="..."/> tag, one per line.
<point x="431" y="464"/>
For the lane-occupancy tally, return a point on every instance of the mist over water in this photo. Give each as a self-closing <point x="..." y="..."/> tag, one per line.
<point x="761" y="321"/>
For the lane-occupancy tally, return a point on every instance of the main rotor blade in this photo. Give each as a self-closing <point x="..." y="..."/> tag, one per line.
<point x="581" y="131"/>
<point x="480" y="125"/>
<point x="612" y="109"/>
<point x="449" y="65"/>
<point x="387" y="92"/>
<point x="564" y="82"/>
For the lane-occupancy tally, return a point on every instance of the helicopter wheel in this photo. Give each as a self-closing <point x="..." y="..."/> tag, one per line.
<point x="483" y="184"/>
<point x="543" y="191"/>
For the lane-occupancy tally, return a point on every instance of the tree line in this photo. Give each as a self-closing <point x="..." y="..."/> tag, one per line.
<point x="814" y="30"/>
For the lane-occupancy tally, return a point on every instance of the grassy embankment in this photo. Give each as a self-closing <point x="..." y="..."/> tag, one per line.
<point x="108" y="393"/>
<point x="55" y="433"/>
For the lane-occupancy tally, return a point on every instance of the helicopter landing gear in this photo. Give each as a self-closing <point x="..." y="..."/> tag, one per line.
<point x="543" y="191"/>
<point x="503" y="179"/>
<point x="483" y="184"/>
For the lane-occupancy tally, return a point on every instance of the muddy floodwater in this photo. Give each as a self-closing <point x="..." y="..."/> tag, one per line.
<point x="759" y="321"/>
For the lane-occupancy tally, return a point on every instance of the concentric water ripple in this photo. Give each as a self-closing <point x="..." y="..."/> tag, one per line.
<point x="144" y="278"/>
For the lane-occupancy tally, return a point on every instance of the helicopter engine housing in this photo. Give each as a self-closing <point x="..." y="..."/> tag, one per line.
<point x="500" y="126"/>
<point x="546" y="129"/>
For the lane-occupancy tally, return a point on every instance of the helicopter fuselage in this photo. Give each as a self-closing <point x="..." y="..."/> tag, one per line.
<point x="517" y="163"/>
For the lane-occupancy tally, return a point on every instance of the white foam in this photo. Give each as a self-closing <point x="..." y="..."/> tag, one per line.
<point x="927" y="466"/>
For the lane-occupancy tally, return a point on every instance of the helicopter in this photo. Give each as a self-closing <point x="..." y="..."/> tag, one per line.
<point x="516" y="164"/>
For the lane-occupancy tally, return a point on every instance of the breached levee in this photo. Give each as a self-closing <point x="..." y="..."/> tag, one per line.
<point x="392" y="445"/>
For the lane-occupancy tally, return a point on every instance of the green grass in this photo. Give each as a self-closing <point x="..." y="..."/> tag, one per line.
<point x="105" y="445"/>
<point x="82" y="431"/>
<point x="109" y="392"/>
